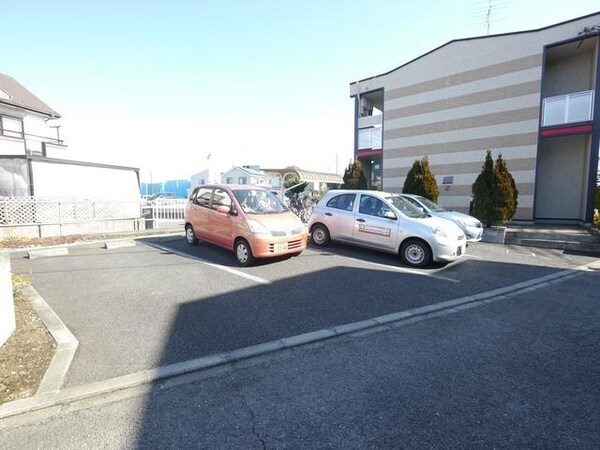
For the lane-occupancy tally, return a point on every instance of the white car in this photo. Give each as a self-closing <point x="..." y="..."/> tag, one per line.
<point x="471" y="226"/>
<point x="386" y="222"/>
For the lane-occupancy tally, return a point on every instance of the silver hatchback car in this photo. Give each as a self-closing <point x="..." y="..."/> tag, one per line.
<point x="386" y="222"/>
<point x="470" y="225"/>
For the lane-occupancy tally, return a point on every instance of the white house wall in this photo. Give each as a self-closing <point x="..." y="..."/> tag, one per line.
<point x="84" y="182"/>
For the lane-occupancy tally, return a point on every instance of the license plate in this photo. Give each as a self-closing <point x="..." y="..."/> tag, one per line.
<point x="281" y="246"/>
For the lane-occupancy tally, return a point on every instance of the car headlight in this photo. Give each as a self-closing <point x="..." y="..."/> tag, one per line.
<point x="439" y="231"/>
<point x="257" y="228"/>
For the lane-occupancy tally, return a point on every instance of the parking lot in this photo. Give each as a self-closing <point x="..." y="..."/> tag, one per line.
<point x="161" y="302"/>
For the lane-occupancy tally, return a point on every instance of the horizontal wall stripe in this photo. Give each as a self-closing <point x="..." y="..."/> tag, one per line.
<point x="517" y="90"/>
<point x="453" y="201"/>
<point x="465" y="189"/>
<point x="436" y="159"/>
<point x="442" y="170"/>
<point x="502" y="81"/>
<point x="490" y="71"/>
<point x="500" y="130"/>
<point x="500" y="118"/>
<point x="501" y="143"/>
<point x="467" y="113"/>
<point x="520" y="176"/>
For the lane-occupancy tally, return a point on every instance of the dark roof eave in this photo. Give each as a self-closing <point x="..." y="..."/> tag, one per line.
<point x="52" y="114"/>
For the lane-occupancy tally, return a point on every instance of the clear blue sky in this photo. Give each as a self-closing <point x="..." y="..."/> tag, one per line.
<point x="161" y="84"/>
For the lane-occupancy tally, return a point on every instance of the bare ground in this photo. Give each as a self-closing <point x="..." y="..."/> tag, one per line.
<point x="25" y="356"/>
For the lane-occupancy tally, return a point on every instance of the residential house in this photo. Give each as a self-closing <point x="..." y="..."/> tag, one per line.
<point x="251" y="175"/>
<point x="531" y="96"/>
<point x="206" y="176"/>
<point x="33" y="157"/>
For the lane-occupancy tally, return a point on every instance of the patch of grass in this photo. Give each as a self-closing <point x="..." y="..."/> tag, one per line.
<point x="19" y="281"/>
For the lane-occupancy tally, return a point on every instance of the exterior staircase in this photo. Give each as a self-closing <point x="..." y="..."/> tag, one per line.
<point x="577" y="239"/>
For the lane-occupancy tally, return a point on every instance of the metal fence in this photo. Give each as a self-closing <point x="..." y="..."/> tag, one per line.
<point x="166" y="210"/>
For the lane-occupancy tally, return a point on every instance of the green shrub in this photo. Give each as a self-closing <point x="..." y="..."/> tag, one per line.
<point x="495" y="195"/>
<point x="421" y="181"/>
<point x="354" y="177"/>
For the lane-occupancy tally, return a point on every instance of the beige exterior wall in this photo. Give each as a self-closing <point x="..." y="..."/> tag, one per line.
<point x="465" y="98"/>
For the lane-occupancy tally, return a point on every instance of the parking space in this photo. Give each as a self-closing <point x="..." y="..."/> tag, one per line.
<point x="163" y="302"/>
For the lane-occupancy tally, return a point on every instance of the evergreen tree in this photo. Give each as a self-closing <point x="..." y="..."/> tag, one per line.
<point x="494" y="192"/>
<point x="483" y="193"/>
<point x="353" y="176"/>
<point x="293" y="180"/>
<point x="505" y="191"/>
<point x="421" y="181"/>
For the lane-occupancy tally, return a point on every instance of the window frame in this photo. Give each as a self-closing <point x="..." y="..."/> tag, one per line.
<point x="16" y="134"/>
<point x="351" y="203"/>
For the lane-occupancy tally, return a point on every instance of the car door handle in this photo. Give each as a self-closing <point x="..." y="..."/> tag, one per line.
<point x="360" y="220"/>
<point x="328" y="214"/>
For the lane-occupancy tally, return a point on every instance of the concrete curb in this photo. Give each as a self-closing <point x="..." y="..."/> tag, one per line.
<point x="110" y="245"/>
<point x="47" y="252"/>
<point x="100" y="242"/>
<point x="66" y="343"/>
<point x="57" y="399"/>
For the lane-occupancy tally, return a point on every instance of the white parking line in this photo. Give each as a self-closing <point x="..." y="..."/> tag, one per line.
<point x="238" y="273"/>
<point x="396" y="268"/>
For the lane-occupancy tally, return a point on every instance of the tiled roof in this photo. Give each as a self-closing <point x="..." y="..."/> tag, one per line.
<point x="15" y="94"/>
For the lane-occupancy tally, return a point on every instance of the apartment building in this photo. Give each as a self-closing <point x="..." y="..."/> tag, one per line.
<point x="531" y="96"/>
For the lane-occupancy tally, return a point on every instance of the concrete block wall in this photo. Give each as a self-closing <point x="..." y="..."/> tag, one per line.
<point x="7" y="306"/>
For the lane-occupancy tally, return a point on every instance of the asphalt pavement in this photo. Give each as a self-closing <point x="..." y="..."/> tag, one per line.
<point x="450" y="356"/>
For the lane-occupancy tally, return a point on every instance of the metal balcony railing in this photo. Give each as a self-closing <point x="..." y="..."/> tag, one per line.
<point x="570" y="108"/>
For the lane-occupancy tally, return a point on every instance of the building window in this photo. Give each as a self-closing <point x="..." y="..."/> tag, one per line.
<point x="242" y="180"/>
<point x="11" y="126"/>
<point x="229" y="180"/>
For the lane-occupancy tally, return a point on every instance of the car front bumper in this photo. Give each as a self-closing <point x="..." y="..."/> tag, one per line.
<point x="271" y="247"/>
<point x="449" y="251"/>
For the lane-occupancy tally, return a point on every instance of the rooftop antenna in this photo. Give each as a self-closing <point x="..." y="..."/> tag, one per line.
<point x="488" y="18"/>
<point x="489" y="10"/>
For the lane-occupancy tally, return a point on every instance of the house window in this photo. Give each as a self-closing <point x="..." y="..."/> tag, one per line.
<point x="229" y="180"/>
<point x="12" y="127"/>
<point x="242" y="180"/>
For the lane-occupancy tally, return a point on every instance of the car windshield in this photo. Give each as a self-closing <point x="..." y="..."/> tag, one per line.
<point x="258" y="201"/>
<point x="434" y="207"/>
<point x="404" y="206"/>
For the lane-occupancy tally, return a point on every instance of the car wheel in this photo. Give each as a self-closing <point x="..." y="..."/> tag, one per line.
<point x="320" y="235"/>
<point x="243" y="253"/>
<point x="415" y="252"/>
<point x="190" y="236"/>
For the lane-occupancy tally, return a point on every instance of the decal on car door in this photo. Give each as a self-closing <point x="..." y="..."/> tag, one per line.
<point x="370" y="229"/>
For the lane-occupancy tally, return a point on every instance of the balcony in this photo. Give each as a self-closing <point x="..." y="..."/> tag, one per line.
<point x="369" y="138"/>
<point x="566" y="109"/>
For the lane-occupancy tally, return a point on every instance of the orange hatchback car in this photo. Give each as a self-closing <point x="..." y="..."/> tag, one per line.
<point x="249" y="220"/>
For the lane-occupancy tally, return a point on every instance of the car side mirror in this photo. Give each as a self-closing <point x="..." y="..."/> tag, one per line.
<point x="222" y="209"/>
<point x="389" y="215"/>
<point x="233" y="211"/>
